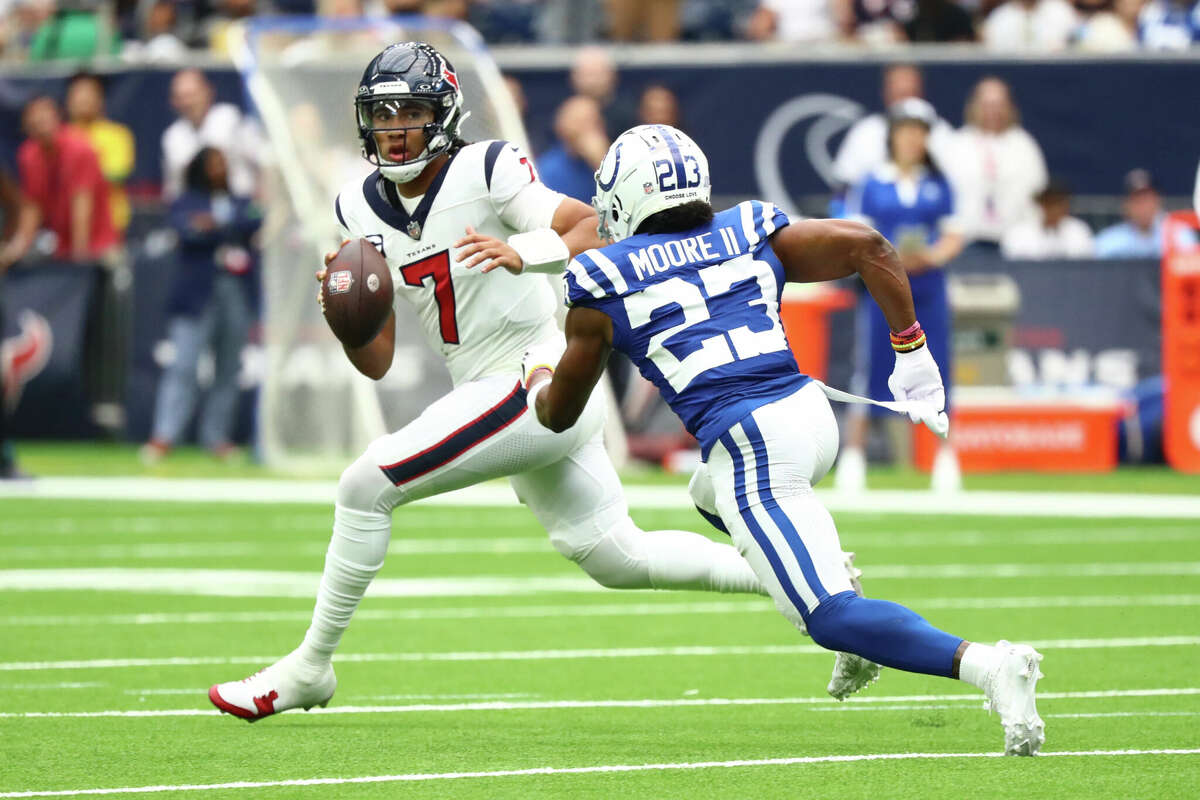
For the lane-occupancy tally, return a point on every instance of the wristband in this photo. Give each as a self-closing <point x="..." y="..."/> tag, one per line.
<point x="541" y="250"/>
<point x="909" y="339"/>
<point x="532" y="395"/>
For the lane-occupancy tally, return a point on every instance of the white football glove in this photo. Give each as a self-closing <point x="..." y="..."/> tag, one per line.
<point x="916" y="379"/>
<point x="543" y="355"/>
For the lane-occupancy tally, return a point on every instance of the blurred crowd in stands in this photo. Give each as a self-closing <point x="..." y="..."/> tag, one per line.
<point x="163" y="30"/>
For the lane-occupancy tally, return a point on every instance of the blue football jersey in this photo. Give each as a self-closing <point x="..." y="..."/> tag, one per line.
<point x="698" y="313"/>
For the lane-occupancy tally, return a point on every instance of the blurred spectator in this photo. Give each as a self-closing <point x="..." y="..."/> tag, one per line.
<point x="74" y="31"/>
<point x="865" y="145"/>
<point x="1169" y="24"/>
<point x="18" y="21"/>
<point x="11" y="206"/>
<point x="158" y="40"/>
<point x="112" y="141"/>
<point x="1019" y="26"/>
<point x="201" y="123"/>
<point x="595" y="75"/>
<point x="1196" y="192"/>
<point x="1055" y="234"/>
<point x="910" y="202"/>
<point x="61" y="174"/>
<point x="209" y="306"/>
<point x="1140" y="235"/>
<point x="940" y="21"/>
<point x="995" y="165"/>
<point x="220" y="25"/>
<point x="1111" y="30"/>
<point x="570" y="165"/>
<point x="659" y="106"/>
<point x="874" y="22"/>
<point x="657" y="21"/>
<point x="794" y="21"/>
<point x="570" y="21"/>
<point x="446" y="9"/>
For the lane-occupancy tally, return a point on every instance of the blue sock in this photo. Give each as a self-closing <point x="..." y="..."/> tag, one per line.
<point x="884" y="632"/>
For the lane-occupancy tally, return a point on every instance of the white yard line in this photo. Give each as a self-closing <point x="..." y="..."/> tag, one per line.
<point x="1048" y="504"/>
<point x="603" y="768"/>
<point x="857" y="702"/>
<point x="566" y="654"/>
<point x="275" y="583"/>
<point x="590" y="610"/>
<point x="520" y="545"/>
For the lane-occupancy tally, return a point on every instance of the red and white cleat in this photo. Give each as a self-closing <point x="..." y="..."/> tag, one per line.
<point x="285" y="684"/>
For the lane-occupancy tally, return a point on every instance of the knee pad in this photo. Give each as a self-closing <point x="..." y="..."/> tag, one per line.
<point x="364" y="487"/>
<point x="613" y="558"/>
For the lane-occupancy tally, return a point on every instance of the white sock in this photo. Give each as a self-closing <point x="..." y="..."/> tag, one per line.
<point x="977" y="661"/>
<point x="685" y="560"/>
<point x="355" y="555"/>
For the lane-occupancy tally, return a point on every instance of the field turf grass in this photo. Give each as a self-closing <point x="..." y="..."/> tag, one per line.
<point x="491" y="683"/>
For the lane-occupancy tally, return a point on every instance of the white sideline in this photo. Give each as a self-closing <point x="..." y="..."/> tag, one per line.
<point x="278" y="583"/>
<point x="590" y="610"/>
<point x="553" y="655"/>
<point x="1033" y="504"/>
<point x="609" y="768"/>
<point x="558" y="705"/>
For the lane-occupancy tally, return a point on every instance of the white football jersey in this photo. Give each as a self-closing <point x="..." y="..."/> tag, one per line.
<point x="481" y="323"/>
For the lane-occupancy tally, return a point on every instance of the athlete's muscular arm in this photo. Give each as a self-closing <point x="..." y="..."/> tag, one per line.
<point x="589" y="341"/>
<point x="826" y="249"/>
<point x="578" y="225"/>
<point x="374" y="358"/>
<point x="573" y="221"/>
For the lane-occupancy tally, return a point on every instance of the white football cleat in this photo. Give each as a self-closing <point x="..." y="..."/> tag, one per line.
<point x="283" y="685"/>
<point x="1011" y="688"/>
<point x="851" y="673"/>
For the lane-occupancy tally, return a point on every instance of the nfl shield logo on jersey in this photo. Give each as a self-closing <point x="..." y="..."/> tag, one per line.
<point x="414" y="229"/>
<point x="340" y="281"/>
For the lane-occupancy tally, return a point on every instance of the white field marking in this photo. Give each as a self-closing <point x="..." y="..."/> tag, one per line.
<point x="431" y="519"/>
<point x="560" y="705"/>
<point x="541" y="544"/>
<point x="164" y="550"/>
<point x="1125" y="714"/>
<point x="605" y="768"/>
<point x="498" y="494"/>
<point x="274" y="583"/>
<point x="264" y="583"/>
<point x="595" y="610"/>
<point x="52" y="686"/>
<point x="555" y="655"/>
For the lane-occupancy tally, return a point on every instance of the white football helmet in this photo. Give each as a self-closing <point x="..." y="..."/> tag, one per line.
<point x="648" y="169"/>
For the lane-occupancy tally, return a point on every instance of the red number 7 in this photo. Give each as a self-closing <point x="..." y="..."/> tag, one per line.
<point x="436" y="266"/>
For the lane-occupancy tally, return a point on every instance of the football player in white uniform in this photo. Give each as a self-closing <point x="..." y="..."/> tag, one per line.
<point x="443" y="212"/>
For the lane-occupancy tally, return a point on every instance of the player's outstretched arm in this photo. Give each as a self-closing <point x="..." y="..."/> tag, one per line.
<point x="589" y="341"/>
<point x="827" y="249"/>
<point x="576" y="222"/>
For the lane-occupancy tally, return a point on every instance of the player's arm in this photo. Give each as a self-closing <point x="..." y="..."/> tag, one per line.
<point x="547" y="250"/>
<point x="827" y="249"/>
<point x="559" y="400"/>
<point x="577" y="225"/>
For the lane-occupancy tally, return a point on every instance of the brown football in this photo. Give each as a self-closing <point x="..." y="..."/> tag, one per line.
<point x="358" y="293"/>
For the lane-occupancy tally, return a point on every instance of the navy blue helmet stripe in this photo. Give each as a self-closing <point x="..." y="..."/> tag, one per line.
<point x="489" y="160"/>
<point x="760" y="536"/>
<point x="483" y="427"/>
<point x="676" y="156"/>
<point x="777" y="514"/>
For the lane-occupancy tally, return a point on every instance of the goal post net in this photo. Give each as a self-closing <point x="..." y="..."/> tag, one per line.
<point x="315" y="411"/>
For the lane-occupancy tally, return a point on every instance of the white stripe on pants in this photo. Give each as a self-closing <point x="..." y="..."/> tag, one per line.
<point x="763" y="470"/>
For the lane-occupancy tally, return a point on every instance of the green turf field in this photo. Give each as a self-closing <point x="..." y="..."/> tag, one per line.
<point x="556" y="676"/>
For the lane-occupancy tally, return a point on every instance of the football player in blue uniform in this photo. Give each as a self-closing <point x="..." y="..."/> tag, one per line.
<point x="692" y="297"/>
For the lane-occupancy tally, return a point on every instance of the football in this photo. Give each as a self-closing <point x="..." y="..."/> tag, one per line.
<point x="357" y="293"/>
